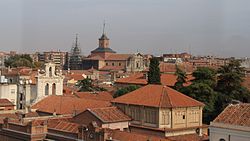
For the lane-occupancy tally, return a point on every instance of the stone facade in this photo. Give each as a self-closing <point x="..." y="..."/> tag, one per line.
<point x="49" y="81"/>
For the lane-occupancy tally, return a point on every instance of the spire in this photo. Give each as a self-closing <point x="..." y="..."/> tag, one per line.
<point x="76" y="44"/>
<point x="103" y="29"/>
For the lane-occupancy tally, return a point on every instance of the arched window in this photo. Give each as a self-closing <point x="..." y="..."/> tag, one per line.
<point x="47" y="89"/>
<point x="53" y="89"/>
<point x="50" y="71"/>
<point x="222" y="140"/>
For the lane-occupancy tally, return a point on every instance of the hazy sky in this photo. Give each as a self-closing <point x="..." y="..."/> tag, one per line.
<point x="202" y="27"/>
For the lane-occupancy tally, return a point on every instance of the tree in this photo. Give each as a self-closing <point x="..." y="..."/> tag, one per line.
<point x="125" y="90"/>
<point x="19" y="61"/>
<point x="86" y="85"/>
<point x="154" y="76"/>
<point x="205" y="75"/>
<point x="230" y="78"/>
<point x="202" y="89"/>
<point x="181" y="78"/>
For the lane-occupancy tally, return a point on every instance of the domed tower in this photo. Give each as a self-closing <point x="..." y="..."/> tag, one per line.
<point x="103" y="49"/>
<point x="75" y="60"/>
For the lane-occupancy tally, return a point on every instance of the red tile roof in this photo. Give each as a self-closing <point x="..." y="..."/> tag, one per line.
<point x="157" y="96"/>
<point x="189" y="137"/>
<point x="139" y="79"/>
<point x="171" y="67"/>
<point x="5" y="102"/>
<point x="136" y="78"/>
<point x="106" y="96"/>
<point x="64" y="126"/>
<point x="238" y="114"/>
<point x="109" y="114"/>
<point x="112" y="68"/>
<point x="128" y="136"/>
<point x="246" y="82"/>
<point x="118" y="57"/>
<point x="67" y="104"/>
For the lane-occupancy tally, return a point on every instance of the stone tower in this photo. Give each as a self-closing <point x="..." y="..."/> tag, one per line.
<point x="75" y="60"/>
<point x="49" y="81"/>
<point x="103" y="49"/>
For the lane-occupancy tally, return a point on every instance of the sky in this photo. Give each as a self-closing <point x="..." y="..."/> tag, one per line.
<point x="200" y="27"/>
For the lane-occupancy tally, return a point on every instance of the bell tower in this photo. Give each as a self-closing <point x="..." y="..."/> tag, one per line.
<point x="103" y="40"/>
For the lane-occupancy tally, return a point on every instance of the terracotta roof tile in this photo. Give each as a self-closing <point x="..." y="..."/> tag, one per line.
<point x="139" y="79"/>
<point x="67" y="104"/>
<point x="106" y="96"/>
<point x="109" y="114"/>
<point x="189" y="137"/>
<point x="238" y="114"/>
<point x="157" y="96"/>
<point x="5" y="102"/>
<point x="118" y="57"/>
<point x="131" y="136"/>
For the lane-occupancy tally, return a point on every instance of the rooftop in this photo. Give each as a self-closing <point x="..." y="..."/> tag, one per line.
<point x="238" y="114"/>
<point x="67" y="104"/>
<point x="109" y="114"/>
<point x="157" y="96"/>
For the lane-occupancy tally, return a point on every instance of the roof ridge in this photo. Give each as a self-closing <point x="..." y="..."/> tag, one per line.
<point x="164" y="96"/>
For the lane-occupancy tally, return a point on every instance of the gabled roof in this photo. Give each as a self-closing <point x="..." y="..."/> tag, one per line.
<point x="157" y="96"/>
<point x="109" y="114"/>
<point x="67" y="104"/>
<point x="5" y="102"/>
<point x="106" y="96"/>
<point x="238" y="114"/>
<point x="139" y="79"/>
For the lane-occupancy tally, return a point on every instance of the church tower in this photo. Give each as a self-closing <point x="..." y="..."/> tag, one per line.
<point x="103" y="49"/>
<point x="75" y="60"/>
<point x="49" y="81"/>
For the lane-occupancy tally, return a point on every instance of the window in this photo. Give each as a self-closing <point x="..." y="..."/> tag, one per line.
<point x="12" y="91"/>
<point x="120" y="64"/>
<point x="113" y="64"/>
<point x="183" y="117"/>
<point x="107" y="64"/>
<point x="135" y="112"/>
<point x="150" y="115"/>
<point x="222" y="140"/>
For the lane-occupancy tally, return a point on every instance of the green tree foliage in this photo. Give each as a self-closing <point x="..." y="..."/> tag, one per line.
<point x="202" y="89"/>
<point x="154" y="76"/>
<point x="181" y="78"/>
<point x="19" y="61"/>
<point x="86" y="85"/>
<point x="216" y="89"/>
<point x="125" y="90"/>
<point x="230" y="78"/>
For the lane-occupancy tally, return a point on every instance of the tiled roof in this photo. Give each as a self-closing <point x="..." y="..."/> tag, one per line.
<point x="246" y="82"/>
<point x="171" y="67"/>
<point x="67" y="104"/>
<point x="107" y="68"/>
<point x="109" y="114"/>
<point x="64" y="126"/>
<point x="118" y="57"/>
<point x="139" y="79"/>
<point x="5" y="102"/>
<point x="238" y="114"/>
<point x="189" y="137"/>
<point x="106" y="96"/>
<point x="136" y="78"/>
<point x="157" y="96"/>
<point x="131" y="136"/>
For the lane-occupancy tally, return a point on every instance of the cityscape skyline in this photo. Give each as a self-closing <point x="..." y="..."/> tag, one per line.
<point x="207" y="27"/>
